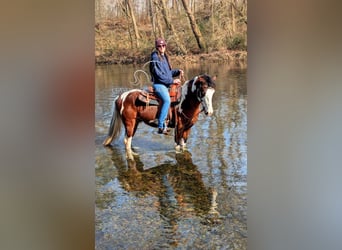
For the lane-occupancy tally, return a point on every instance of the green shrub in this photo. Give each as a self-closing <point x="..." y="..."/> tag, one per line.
<point x="237" y="43"/>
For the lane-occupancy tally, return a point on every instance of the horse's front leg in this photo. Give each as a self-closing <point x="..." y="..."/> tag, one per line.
<point x="180" y="143"/>
<point x="184" y="139"/>
<point x="186" y="134"/>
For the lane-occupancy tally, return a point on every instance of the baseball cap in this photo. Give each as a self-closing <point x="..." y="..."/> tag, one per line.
<point x="160" y="41"/>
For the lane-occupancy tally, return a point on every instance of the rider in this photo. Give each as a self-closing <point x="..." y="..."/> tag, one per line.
<point x="162" y="77"/>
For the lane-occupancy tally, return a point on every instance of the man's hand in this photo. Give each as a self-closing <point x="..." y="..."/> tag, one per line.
<point x="176" y="81"/>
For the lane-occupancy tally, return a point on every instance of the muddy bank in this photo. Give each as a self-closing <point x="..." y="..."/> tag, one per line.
<point x="223" y="56"/>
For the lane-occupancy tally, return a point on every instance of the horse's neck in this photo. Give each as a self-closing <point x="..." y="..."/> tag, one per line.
<point x="189" y="102"/>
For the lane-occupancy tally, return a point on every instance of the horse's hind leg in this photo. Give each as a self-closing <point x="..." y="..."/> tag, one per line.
<point x="129" y="151"/>
<point x="130" y="131"/>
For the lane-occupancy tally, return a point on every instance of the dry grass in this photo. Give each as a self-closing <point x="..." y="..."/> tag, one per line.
<point x="113" y="42"/>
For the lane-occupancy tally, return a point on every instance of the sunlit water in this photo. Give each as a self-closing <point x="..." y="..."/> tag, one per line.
<point x="164" y="200"/>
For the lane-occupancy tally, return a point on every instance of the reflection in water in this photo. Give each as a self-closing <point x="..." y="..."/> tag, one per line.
<point x="179" y="189"/>
<point x="178" y="186"/>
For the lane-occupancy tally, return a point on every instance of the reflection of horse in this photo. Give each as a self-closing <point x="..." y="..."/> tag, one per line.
<point x="130" y="110"/>
<point x="178" y="186"/>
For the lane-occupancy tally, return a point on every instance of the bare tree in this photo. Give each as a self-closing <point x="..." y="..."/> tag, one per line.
<point x="152" y="17"/>
<point x="130" y="10"/>
<point x="158" y="32"/>
<point x="197" y="33"/>
<point x="171" y="27"/>
<point x="133" y="24"/>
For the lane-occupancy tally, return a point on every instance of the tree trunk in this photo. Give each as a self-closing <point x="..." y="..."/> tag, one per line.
<point x="159" y="31"/>
<point x="212" y="18"/>
<point x="135" y="27"/>
<point x="195" y="30"/>
<point x="171" y="28"/>
<point x="152" y="16"/>
<point x="233" y="19"/>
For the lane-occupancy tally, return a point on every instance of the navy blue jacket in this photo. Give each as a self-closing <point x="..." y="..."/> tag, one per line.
<point x="160" y="70"/>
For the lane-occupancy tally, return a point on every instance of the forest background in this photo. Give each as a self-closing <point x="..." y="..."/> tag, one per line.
<point x="195" y="30"/>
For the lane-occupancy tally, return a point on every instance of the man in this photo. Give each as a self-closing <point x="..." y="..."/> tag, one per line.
<point x="162" y="77"/>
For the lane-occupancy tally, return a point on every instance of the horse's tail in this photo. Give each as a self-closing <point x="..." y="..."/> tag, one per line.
<point x="114" y="128"/>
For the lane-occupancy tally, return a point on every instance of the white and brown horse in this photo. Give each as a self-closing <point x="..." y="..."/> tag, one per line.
<point x="130" y="110"/>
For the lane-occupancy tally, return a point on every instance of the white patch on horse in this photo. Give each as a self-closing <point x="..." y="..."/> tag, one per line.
<point x="184" y="93"/>
<point x="193" y="87"/>
<point x="207" y="102"/>
<point x="124" y="96"/>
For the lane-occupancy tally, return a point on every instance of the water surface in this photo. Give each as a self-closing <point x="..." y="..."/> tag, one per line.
<point x="167" y="200"/>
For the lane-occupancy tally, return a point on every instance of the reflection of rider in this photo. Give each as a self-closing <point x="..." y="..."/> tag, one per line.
<point x="162" y="77"/>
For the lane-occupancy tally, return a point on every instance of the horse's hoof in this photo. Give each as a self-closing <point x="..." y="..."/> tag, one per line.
<point x="178" y="148"/>
<point x="130" y="154"/>
<point x="130" y="157"/>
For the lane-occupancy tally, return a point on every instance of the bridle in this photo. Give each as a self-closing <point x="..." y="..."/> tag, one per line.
<point x="199" y="97"/>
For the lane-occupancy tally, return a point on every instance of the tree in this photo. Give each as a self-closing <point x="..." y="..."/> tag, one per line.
<point x="130" y="13"/>
<point x="170" y="27"/>
<point x="195" y="30"/>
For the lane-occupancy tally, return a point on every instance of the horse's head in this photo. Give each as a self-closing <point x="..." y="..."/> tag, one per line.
<point x="205" y="89"/>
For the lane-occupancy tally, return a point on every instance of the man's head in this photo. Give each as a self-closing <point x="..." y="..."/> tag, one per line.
<point x="160" y="43"/>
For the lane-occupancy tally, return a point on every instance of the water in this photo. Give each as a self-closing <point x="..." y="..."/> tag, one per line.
<point x="164" y="200"/>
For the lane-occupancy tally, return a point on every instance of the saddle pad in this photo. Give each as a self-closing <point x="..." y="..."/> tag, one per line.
<point x="148" y="98"/>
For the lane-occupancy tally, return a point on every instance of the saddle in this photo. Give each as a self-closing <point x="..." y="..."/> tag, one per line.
<point x="149" y="97"/>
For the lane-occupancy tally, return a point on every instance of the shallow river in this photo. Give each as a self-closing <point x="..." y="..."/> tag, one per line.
<point x="163" y="200"/>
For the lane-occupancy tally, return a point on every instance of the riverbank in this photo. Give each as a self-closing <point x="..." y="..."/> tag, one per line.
<point x="224" y="56"/>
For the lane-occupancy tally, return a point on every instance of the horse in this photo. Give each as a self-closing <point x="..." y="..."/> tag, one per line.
<point x="130" y="110"/>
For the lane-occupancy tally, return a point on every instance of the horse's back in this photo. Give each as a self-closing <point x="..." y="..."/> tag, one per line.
<point x="127" y="99"/>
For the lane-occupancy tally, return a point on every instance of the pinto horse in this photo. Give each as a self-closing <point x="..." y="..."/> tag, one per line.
<point x="130" y="111"/>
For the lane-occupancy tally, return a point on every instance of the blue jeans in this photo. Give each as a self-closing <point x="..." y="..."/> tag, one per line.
<point x="163" y="93"/>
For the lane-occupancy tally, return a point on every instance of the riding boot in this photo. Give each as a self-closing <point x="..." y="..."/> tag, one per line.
<point x="165" y="130"/>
